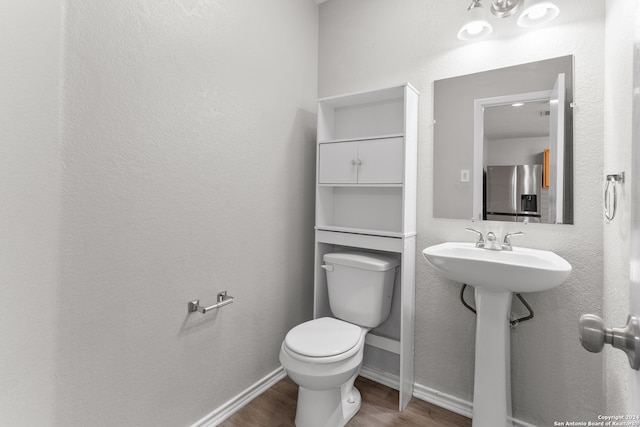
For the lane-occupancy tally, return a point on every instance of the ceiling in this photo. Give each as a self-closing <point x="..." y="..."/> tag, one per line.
<point x="508" y="122"/>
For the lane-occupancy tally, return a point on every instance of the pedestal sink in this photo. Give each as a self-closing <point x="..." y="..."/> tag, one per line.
<point x="495" y="276"/>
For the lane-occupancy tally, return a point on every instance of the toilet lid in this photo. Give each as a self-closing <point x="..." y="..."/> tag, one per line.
<point x="323" y="337"/>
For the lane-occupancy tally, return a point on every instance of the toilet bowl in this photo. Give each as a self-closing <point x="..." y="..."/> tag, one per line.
<point x="326" y="397"/>
<point x="324" y="356"/>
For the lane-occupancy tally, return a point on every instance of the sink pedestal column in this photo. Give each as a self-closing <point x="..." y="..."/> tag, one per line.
<point x="492" y="381"/>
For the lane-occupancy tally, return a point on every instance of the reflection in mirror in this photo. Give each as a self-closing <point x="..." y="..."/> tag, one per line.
<point x="515" y="138"/>
<point x="503" y="144"/>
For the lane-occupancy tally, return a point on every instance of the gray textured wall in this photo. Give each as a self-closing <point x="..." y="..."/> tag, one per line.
<point x="189" y="161"/>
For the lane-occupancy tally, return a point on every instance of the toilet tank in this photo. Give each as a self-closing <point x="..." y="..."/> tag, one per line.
<point x="360" y="286"/>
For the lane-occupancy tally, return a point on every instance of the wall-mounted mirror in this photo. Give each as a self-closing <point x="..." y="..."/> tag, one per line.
<point x="503" y="144"/>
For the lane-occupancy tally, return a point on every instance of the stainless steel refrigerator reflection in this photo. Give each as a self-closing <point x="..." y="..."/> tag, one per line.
<point x="513" y="193"/>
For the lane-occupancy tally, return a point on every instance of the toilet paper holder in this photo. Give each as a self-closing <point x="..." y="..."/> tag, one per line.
<point x="222" y="300"/>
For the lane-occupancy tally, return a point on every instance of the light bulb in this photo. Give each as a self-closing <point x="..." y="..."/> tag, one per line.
<point x="538" y="12"/>
<point x="474" y="28"/>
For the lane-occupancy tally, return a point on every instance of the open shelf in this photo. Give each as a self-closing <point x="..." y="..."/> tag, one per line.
<point x="363" y="138"/>
<point x="375" y="208"/>
<point x="366" y="231"/>
<point x="362" y="115"/>
<point x="367" y="97"/>
<point x="362" y="185"/>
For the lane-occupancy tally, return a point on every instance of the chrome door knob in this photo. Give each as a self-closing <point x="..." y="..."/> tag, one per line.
<point x="592" y="333"/>
<point x="593" y="336"/>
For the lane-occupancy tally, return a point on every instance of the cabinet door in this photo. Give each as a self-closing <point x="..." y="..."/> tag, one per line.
<point x="338" y="163"/>
<point x="380" y="161"/>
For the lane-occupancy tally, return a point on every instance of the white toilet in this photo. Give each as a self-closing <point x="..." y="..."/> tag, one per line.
<point x="324" y="356"/>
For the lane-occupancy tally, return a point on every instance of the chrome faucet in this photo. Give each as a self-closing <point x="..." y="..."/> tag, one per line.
<point x="506" y="242"/>
<point x="480" y="243"/>
<point x="491" y="243"/>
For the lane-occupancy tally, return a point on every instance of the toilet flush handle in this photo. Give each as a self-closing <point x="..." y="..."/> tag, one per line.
<point x="327" y="267"/>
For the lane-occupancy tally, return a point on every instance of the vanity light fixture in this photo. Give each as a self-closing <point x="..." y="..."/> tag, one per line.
<point x="476" y="26"/>
<point x="535" y="12"/>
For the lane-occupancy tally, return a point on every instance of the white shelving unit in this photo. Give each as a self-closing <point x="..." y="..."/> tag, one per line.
<point x="366" y="199"/>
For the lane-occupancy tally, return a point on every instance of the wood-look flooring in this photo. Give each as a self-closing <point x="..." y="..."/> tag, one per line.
<point x="277" y="408"/>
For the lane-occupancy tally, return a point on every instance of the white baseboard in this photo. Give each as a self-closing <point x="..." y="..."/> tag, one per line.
<point x="443" y="400"/>
<point x="234" y="405"/>
<point x="384" y="378"/>
<point x="519" y="423"/>
<point x="453" y="404"/>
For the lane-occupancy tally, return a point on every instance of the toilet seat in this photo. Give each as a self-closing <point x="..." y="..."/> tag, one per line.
<point x="324" y="340"/>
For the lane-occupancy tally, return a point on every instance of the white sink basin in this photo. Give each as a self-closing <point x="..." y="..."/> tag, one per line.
<point x="520" y="270"/>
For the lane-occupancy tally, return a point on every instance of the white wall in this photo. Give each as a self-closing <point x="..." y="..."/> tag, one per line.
<point x="189" y="168"/>
<point x="188" y="134"/>
<point x="617" y="158"/>
<point x="367" y="44"/>
<point x="30" y="51"/>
